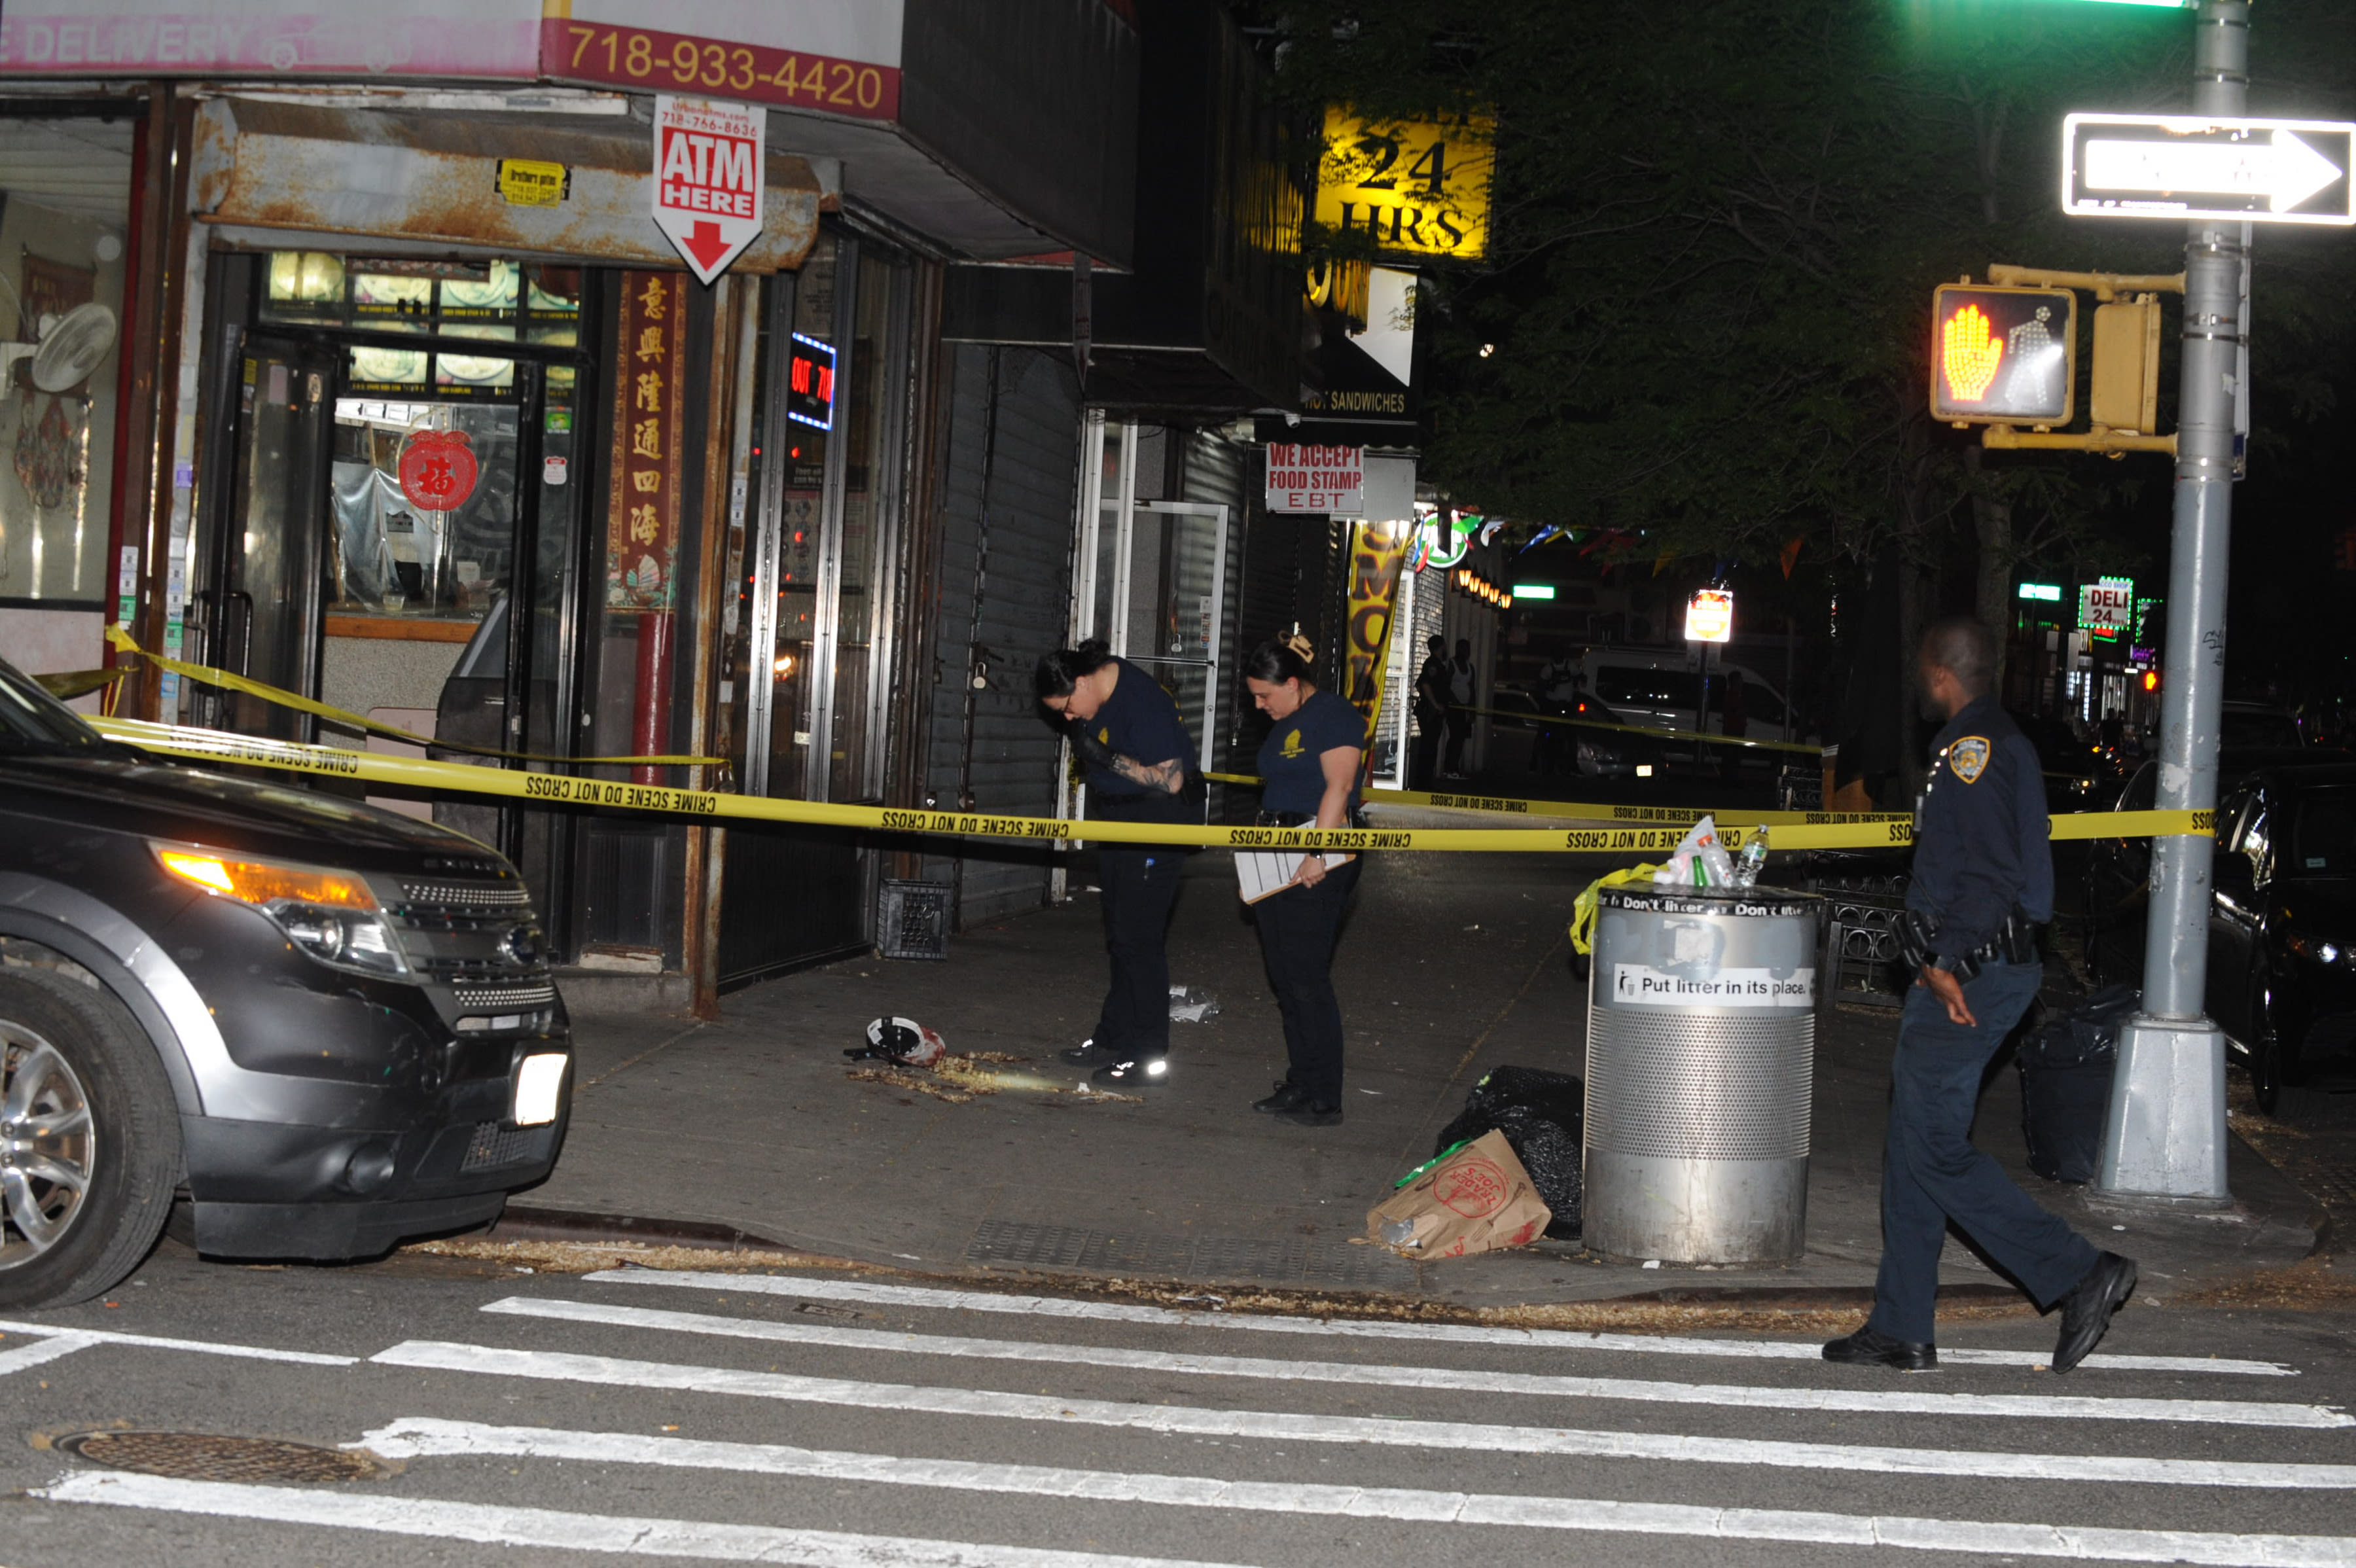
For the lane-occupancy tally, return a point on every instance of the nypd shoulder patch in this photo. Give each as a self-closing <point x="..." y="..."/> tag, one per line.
<point x="1969" y="757"/>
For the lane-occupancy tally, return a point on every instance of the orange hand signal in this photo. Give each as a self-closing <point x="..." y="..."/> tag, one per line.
<point x="1969" y="351"/>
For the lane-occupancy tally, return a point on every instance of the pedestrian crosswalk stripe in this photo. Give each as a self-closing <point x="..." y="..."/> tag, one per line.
<point x="485" y="1360"/>
<point x="821" y="1288"/>
<point x="420" y="1438"/>
<point x="1898" y="1400"/>
<point x="39" y="1352"/>
<point x="160" y="1342"/>
<point x="501" y="1525"/>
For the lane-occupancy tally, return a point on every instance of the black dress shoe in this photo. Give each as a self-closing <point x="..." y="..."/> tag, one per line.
<point x="2086" y="1310"/>
<point x="1288" y="1095"/>
<point x="1134" y="1072"/>
<point x="1088" y="1053"/>
<point x="1307" y="1113"/>
<point x="1869" y="1347"/>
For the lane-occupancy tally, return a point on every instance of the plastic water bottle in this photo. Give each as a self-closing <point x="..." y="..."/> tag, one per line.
<point x="1753" y="857"/>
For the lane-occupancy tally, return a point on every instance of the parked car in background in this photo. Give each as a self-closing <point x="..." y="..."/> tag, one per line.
<point x="1563" y="737"/>
<point x="320" y="1027"/>
<point x="2282" y="922"/>
<point x="1663" y="688"/>
<point x="2078" y="775"/>
<point x="2247" y="726"/>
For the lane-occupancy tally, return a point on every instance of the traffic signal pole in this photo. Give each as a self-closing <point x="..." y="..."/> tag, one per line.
<point x="2165" y="1134"/>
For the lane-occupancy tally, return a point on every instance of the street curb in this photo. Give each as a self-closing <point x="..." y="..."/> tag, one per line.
<point x="524" y="1224"/>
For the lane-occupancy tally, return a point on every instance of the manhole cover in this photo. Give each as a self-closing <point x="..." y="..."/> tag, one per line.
<point x="209" y="1456"/>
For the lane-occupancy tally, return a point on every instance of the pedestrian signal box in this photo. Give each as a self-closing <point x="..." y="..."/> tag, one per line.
<point x="2003" y="356"/>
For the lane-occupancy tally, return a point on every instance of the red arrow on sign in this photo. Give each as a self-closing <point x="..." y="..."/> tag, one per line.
<point x="704" y="244"/>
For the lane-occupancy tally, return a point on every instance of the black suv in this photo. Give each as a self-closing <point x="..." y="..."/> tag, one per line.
<point x="323" y="1027"/>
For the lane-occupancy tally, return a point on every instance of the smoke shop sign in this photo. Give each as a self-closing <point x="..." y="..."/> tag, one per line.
<point x="1330" y="480"/>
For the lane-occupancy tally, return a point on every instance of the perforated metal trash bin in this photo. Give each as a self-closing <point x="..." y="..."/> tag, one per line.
<point x="1701" y="1044"/>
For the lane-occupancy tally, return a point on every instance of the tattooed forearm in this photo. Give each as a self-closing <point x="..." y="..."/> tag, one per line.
<point x="1168" y="776"/>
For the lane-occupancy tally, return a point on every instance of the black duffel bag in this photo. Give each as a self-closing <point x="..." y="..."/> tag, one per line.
<point x="2066" y="1064"/>
<point x="1541" y="1114"/>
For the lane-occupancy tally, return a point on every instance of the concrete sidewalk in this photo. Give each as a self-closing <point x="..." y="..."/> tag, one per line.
<point x="1451" y="965"/>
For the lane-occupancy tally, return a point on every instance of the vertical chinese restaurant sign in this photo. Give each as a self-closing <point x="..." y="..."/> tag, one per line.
<point x="642" y="514"/>
<point x="1376" y="551"/>
<point x="707" y="187"/>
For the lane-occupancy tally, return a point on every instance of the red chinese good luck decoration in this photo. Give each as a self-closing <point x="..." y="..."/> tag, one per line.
<point x="438" y="469"/>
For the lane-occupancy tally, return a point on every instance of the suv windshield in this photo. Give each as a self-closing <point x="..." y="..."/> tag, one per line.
<point x="2324" y="842"/>
<point x="32" y="720"/>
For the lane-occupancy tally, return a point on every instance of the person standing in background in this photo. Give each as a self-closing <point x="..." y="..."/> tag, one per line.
<point x="1431" y="685"/>
<point x="1460" y="689"/>
<point x="1141" y="768"/>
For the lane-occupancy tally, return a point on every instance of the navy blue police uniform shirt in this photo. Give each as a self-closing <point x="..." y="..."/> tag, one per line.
<point x="1140" y="722"/>
<point x="1982" y="841"/>
<point x="1289" y="756"/>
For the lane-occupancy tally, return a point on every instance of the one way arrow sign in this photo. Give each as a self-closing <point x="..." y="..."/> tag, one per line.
<point x="2255" y="171"/>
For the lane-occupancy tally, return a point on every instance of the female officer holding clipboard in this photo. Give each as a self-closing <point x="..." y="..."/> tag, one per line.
<point x="1310" y="765"/>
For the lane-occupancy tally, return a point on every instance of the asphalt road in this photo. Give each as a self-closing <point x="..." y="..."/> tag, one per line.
<point x="856" y="1419"/>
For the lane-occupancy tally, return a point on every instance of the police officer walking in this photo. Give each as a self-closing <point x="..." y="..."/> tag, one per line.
<point x="1983" y="881"/>
<point x="1141" y="768"/>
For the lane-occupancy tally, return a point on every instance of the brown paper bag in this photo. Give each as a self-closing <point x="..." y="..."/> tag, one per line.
<point x="1476" y="1199"/>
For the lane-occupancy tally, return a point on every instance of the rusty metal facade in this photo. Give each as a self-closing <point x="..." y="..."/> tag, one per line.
<point x="288" y="167"/>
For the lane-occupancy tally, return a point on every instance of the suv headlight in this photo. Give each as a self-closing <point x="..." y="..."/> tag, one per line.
<point x="329" y="915"/>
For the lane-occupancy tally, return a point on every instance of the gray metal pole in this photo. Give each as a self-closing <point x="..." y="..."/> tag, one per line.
<point x="2166" y="1132"/>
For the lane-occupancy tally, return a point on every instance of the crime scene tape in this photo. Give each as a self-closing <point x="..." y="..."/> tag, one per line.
<point x="1535" y="720"/>
<point x="560" y="790"/>
<point x="279" y="696"/>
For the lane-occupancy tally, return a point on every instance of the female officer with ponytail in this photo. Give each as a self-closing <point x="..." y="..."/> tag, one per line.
<point x="1310" y="765"/>
<point x="1141" y="768"/>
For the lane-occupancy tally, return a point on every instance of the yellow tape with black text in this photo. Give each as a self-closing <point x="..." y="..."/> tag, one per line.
<point x="559" y="789"/>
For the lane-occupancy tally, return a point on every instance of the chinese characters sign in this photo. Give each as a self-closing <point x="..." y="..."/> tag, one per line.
<point x="642" y="516"/>
<point x="1413" y="186"/>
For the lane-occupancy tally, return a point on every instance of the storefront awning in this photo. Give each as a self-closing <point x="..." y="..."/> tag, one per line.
<point x="271" y="165"/>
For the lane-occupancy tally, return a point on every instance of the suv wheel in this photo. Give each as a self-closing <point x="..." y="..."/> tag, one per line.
<point x="90" y="1141"/>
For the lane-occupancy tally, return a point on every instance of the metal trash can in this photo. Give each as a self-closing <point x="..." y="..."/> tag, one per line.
<point x="1701" y="1044"/>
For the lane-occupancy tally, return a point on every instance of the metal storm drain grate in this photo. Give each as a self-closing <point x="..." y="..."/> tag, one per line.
<point x="211" y="1456"/>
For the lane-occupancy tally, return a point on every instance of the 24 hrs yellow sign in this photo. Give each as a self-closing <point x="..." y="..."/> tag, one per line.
<point x="1415" y="186"/>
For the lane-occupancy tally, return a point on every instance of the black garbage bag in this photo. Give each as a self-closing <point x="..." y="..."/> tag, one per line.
<point x="1541" y="1114"/>
<point x="2066" y="1063"/>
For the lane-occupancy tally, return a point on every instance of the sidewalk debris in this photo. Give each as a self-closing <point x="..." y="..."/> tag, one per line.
<point x="1188" y="1005"/>
<point x="901" y="1040"/>
<point x="1474" y="1198"/>
<point x="1541" y="1114"/>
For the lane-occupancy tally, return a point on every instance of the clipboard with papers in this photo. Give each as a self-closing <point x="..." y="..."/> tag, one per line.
<point x="1262" y="874"/>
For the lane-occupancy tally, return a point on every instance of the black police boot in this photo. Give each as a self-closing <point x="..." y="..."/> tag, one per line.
<point x="2086" y="1310"/>
<point x="1288" y="1095"/>
<point x="1088" y="1053"/>
<point x="1134" y="1072"/>
<point x="1308" y="1112"/>
<point x="1868" y="1346"/>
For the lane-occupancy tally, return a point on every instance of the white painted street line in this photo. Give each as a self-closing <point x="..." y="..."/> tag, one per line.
<point x="816" y="1288"/>
<point x="201" y="1347"/>
<point x="498" y="1525"/>
<point x="418" y="1438"/>
<point x="1880" y="1402"/>
<point x="484" y="1360"/>
<point x="18" y="1357"/>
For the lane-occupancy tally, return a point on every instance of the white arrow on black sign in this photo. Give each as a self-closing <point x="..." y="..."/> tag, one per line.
<point x="2263" y="171"/>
